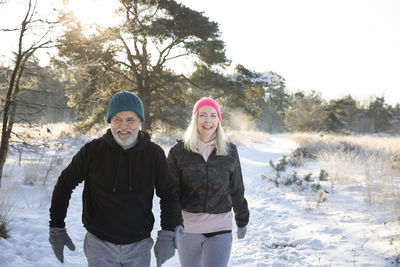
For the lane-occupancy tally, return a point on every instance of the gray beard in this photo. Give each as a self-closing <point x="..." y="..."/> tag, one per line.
<point x="125" y="144"/>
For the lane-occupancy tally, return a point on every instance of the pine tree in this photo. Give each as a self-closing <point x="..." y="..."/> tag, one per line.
<point x="307" y="113"/>
<point x="134" y="57"/>
<point x="380" y="115"/>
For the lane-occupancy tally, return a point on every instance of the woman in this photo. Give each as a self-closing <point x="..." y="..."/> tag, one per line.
<point x="209" y="181"/>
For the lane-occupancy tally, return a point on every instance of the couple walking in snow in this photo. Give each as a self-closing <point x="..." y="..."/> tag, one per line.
<point x="198" y="185"/>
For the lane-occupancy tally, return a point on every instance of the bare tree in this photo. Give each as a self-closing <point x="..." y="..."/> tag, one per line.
<point x="34" y="33"/>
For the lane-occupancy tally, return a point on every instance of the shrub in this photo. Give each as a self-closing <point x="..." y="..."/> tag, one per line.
<point x="323" y="175"/>
<point x="4" y="230"/>
<point x="280" y="167"/>
<point x="281" y="178"/>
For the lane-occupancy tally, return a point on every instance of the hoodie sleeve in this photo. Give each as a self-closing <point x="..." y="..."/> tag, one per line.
<point x="70" y="177"/>
<point x="165" y="189"/>
<point x="239" y="203"/>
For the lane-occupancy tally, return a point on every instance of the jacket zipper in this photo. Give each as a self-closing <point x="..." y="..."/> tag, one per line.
<point x="205" y="202"/>
<point x="207" y="180"/>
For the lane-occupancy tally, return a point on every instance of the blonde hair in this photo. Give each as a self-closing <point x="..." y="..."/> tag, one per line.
<point x="191" y="138"/>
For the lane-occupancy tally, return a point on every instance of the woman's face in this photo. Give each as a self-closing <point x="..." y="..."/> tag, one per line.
<point x="207" y="122"/>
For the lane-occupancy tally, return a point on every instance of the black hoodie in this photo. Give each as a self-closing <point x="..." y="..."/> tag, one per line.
<point x="118" y="191"/>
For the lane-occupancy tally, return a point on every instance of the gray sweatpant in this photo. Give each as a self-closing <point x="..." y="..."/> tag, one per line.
<point x="102" y="253"/>
<point x="196" y="250"/>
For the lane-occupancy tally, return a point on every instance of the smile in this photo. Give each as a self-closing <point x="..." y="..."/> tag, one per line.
<point x="123" y="133"/>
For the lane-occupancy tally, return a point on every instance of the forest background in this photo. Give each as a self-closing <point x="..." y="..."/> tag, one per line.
<point x="140" y="53"/>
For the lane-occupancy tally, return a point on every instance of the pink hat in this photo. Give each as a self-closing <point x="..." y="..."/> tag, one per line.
<point x="206" y="101"/>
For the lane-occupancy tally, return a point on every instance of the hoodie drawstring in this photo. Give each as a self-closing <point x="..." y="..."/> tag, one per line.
<point x="118" y="171"/>
<point x="117" y="177"/>
<point x="129" y="173"/>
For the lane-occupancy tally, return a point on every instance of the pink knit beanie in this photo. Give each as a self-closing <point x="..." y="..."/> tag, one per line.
<point x="206" y="101"/>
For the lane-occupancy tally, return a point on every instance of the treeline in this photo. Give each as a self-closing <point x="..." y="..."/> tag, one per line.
<point x="41" y="98"/>
<point x="260" y="100"/>
<point x="345" y="115"/>
<point x="310" y="112"/>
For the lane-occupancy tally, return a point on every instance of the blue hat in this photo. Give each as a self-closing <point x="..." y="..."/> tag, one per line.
<point x="125" y="101"/>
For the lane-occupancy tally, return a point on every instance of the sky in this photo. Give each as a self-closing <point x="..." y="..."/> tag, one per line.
<point x="336" y="47"/>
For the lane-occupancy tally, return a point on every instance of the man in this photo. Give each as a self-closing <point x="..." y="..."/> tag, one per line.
<point x="121" y="169"/>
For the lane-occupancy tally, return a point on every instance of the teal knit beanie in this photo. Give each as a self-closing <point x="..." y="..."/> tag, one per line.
<point x="125" y="101"/>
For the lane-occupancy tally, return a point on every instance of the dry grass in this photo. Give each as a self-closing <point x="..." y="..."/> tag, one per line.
<point x="38" y="133"/>
<point x="371" y="161"/>
<point x="368" y="143"/>
<point x="167" y="139"/>
<point x="245" y="137"/>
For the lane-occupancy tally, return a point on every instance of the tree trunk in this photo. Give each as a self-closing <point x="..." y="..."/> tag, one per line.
<point x="3" y="156"/>
<point x="8" y="117"/>
<point x="146" y="126"/>
<point x="5" y="136"/>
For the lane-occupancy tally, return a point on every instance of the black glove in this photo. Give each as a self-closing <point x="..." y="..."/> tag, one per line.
<point x="59" y="238"/>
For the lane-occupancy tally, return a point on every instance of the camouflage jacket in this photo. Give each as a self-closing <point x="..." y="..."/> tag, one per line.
<point x="212" y="187"/>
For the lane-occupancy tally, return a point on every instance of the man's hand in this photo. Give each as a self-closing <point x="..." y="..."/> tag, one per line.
<point x="59" y="238"/>
<point x="178" y="231"/>
<point x="164" y="249"/>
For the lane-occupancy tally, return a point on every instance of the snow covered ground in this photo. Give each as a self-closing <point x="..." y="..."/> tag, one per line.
<point x="287" y="227"/>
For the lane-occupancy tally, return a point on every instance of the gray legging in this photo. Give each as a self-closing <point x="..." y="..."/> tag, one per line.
<point x="196" y="250"/>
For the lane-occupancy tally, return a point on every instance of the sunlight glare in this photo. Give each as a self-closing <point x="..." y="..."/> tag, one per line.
<point x="99" y="12"/>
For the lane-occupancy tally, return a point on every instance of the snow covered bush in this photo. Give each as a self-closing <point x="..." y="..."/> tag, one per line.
<point x="369" y="160"/>
<point x="307" y="182"/>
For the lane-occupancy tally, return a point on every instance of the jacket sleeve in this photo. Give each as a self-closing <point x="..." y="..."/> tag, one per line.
<point x="70" y="177"/>
<point x="165" y="189"/>
<point x="174" y="171"/>
<point x="239" y="203"/>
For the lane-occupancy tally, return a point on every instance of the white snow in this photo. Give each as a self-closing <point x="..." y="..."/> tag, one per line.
<point x="286" y="226"/>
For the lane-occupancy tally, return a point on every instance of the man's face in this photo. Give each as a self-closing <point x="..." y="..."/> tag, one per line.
<point x="125" y="126"/>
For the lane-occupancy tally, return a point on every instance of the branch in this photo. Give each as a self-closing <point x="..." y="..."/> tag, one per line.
<point x="130" y="57"/>
<point x="30" y="51"/>
<point x="124" y="64"/>
<point x="181" y="55"/>
<point x="162" y="58"/>
<point x="145" y="64"/>
<point x="193" y="83"/>
<point x="149" y="17"/>
<point x="10" y="30"/>
<point x="119" y="73"/>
